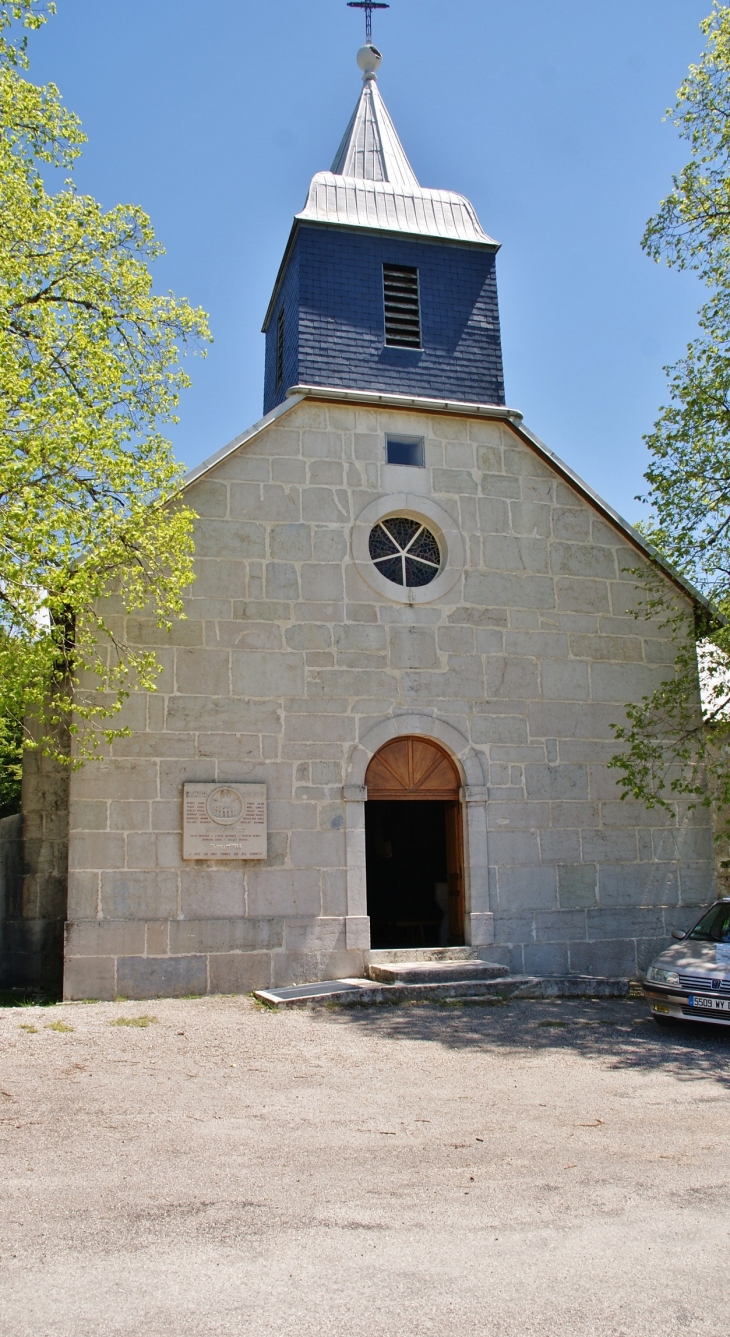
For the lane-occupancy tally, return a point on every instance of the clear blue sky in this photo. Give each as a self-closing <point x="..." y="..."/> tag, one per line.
<point x="213" y="116"/>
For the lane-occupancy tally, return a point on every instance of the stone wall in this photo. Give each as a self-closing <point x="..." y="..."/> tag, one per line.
<point x="291" y="660"/>
<point x="35" y="879"/>
<point x="721" y="825"/>
<point x="11" y="890"/>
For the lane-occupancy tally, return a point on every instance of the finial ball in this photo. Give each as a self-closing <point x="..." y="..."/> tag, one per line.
<point x="369" y="59"/>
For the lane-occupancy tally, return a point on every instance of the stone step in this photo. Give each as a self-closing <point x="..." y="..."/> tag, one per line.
<point x="362" y="992"/>
<point x="384" y="956"/>
<point x="435" y="972"/>
<point x="365" y="992"/>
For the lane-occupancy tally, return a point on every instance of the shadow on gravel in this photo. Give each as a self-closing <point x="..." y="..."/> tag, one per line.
<point x="618" y="1031"/>
<point x="26" y="998"/>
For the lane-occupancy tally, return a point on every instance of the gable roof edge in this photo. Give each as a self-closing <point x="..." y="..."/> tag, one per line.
<point x="194" y="475"/>
<point x="632" y="534"/>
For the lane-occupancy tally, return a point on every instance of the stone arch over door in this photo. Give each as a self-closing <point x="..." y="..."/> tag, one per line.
<point x="479" y="924"/>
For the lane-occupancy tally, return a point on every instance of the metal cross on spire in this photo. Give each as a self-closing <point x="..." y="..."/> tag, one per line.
<point x="368" y="6"/>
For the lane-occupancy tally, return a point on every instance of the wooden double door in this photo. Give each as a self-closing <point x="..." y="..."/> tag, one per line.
<point x="414" y="841"/>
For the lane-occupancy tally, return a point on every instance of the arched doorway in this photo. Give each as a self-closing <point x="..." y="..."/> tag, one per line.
<point x="414" y="846"/>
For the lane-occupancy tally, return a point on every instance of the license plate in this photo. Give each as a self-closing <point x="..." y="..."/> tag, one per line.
<point x="709" y="1004"/>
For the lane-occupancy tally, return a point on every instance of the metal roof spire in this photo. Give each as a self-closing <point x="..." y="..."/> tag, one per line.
<point x="371" y="183"/>
<point x="371" y="149"/>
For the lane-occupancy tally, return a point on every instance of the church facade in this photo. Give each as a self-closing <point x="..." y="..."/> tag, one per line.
<point x="387" y="717"/>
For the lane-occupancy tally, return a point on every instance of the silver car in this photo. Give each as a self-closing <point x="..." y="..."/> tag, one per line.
<point x="691" y="980"/>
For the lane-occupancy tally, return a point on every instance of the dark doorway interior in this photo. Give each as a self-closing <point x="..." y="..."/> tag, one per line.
<point x="408" y="873"/>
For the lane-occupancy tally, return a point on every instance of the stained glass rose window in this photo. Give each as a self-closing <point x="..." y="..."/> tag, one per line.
<point x="405" y="551"/>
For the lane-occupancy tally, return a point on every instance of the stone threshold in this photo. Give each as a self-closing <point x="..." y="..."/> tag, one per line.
<point x="366" y="992"/>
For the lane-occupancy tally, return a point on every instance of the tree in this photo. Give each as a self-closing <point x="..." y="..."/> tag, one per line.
<point x="676" y="745"/>
<point x="89" y="373"/>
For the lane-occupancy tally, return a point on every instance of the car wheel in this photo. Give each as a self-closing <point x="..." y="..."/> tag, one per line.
<point x="664" y="1021"/>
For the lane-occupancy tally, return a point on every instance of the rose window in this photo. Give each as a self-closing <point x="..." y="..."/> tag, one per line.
<point x="405" y="551"/>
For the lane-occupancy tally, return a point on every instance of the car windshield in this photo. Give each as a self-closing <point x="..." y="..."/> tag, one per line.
<point x="714" y="926"/>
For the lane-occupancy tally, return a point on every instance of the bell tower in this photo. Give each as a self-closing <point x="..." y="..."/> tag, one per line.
<point x="385" y="285"/>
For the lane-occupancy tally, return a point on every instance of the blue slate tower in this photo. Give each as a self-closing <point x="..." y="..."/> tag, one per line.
<point x="384" y="285"/>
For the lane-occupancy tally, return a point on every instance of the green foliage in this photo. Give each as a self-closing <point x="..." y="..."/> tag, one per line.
<point x="89" y="372"/>
<point x="31" y="15"/>
<point x="674" y="747"/>
<point x="142" y="1022"/>
<point x="12" y="704"/>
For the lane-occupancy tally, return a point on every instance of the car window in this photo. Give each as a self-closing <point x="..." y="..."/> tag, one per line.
<point x="714" y="926"/>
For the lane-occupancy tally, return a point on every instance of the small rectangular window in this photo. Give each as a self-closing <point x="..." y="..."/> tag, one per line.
<point x="405" y="450"/>
<point x="402" y="306"/>
<point x="280" y="349"/>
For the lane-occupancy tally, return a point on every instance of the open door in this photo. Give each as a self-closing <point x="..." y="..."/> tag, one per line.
<point x="455" y="873"/>
<point x="414" y="846"/>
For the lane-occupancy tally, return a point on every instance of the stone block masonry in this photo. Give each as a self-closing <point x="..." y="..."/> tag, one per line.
<point x="291" y="669"/>
<point x="11" y="893"/>
<point x="34" y="879"/>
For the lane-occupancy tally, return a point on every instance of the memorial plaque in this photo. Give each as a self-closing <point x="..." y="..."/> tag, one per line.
<point x="224" y="822"/>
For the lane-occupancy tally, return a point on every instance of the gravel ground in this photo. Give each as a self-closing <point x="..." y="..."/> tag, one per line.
<point x="538" y="1168"/>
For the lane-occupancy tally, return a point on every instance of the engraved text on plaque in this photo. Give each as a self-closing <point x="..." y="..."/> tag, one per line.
<point x="224" y="821"/>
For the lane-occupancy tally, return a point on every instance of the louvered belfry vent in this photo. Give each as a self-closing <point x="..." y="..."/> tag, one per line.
<point x="402" y="307"/>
